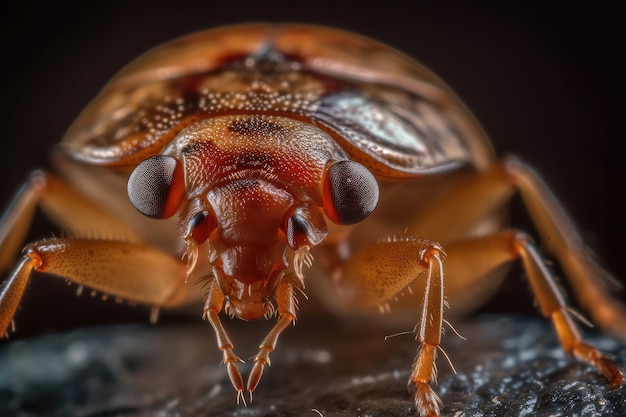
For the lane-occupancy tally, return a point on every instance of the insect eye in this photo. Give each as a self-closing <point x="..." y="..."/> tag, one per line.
<point x="200" y="226"/>
<point x="350" y="192"/>
<point x="156" y="187"/>
<point x="306" y="226"/>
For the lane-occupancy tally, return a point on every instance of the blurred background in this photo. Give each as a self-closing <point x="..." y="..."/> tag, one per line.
<point x="543" y="79"/>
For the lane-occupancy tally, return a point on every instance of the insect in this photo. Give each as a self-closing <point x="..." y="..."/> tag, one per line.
<point x="238" y="156"/>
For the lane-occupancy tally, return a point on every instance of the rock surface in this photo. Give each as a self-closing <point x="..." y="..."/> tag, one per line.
<point x="510" y="366"/>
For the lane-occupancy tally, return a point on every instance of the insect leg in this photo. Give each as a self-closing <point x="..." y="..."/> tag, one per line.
<point x="378" y="273"/>
<point x="470" y="259"/>
<point x="287" y="306"/>
<point x="564" y="241"/>
<point x="485" y="192"/>
<point x="127" y="270"/>
<point x="212" y="307"/>
<point x="553" y="305"/>
<point x="62" y="204"/>
<point x="16" y="220"/>
<point x="428" y="334"/>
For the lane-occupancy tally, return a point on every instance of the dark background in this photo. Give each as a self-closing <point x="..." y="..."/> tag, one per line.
<point x="543" y="79"/>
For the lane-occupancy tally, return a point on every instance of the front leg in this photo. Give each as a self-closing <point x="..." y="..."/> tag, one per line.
<point x="69" y="209"/>
<point x="213" y="306"/>
<point x="380" y="272"/>
<point x="131" y="271"/>
<point x="287" y="306"/>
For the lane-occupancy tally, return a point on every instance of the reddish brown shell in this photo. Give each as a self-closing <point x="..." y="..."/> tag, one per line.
<point x="386" y="110"/>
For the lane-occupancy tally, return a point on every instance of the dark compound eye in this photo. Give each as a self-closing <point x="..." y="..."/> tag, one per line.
<point x="156" y="187"/>
<point x="350" y="192"/>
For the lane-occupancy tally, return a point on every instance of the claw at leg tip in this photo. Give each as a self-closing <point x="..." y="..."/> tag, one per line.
<point x="614" y="374"/>
<point x="241" y="397"/>
<point x="426" y="401"/>
<point x="611" y="370"/>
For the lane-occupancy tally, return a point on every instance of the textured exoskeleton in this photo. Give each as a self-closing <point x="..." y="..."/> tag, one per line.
<point x="236" y="156"/>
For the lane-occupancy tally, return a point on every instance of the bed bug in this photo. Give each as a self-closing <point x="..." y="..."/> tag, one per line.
<point x="236" y="156"/>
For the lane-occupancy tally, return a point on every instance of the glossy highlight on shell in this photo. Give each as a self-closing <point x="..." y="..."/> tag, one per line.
<point x="270" y="70"/>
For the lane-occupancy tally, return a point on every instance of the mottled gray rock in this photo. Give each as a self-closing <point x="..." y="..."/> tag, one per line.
<point x="510" y="366"/>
